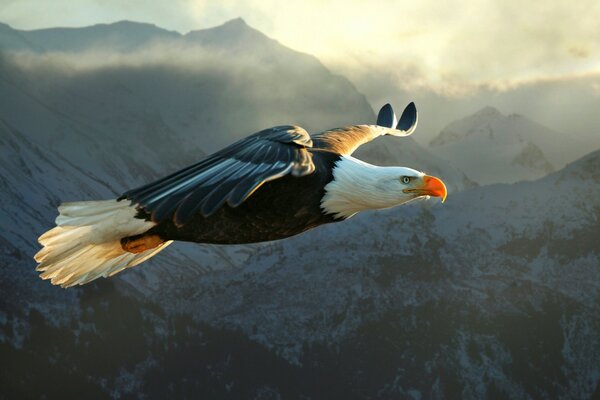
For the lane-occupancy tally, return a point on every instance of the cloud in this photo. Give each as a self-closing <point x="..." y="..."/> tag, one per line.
<point x="449" y="45"/>
<point x="161" y="53"/>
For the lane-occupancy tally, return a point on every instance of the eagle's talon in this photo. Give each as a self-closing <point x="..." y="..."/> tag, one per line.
<point x="140" y="244"/>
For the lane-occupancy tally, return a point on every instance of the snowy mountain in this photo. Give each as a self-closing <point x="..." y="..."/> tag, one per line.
<point x="495" y="148"/>
<point x="493" y="294"/>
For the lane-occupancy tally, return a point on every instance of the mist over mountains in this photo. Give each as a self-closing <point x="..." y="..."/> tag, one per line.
<point x="492" y="294"/>
<point x="191" y="76"/>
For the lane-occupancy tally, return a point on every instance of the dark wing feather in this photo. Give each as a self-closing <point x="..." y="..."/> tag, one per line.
<point x="230" y="175"/>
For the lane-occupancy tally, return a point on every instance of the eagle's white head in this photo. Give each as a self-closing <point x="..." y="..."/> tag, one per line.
<point x="358" y="186"/>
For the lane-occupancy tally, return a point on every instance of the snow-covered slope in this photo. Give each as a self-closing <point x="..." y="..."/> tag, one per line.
<point x="492" y="148"/>
<point x="493" y="294"/>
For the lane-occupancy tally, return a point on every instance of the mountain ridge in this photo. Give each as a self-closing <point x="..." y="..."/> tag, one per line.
<point x="127" y="35"/>
<point x="492" y="147"/>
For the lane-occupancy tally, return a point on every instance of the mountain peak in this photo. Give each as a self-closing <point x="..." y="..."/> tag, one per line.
<point x="233" y="26"/>
<point x="236" y="26"/>
<point x="467" y="126"/>
<point x="128" y="23"/>
<point x="234" y="34"/>
<point x="492" y="147"/>
<point x="236" y="22"/>
<point x="489" y="111"/>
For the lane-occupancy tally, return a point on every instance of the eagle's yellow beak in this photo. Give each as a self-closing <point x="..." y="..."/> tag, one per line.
<point x="433" y="186"/>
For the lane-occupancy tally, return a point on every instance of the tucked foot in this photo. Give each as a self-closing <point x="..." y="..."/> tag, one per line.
<point x="140" y="243"/>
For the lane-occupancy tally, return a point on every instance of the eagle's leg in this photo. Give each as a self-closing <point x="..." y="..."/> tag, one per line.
<point x="140" y="243"/>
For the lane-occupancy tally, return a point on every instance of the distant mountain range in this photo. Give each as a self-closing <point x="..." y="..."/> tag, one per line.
<point x="126" y="36"/>
<point x="495" y="148"/>
<point x="492" y="294"/>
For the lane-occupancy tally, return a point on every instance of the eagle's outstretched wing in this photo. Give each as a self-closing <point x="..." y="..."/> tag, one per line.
<point x="346" y="140"/>
<point x="230" y="175"/>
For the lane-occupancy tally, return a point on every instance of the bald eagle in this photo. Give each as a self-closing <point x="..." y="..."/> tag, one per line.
<point x="271" y="185"/>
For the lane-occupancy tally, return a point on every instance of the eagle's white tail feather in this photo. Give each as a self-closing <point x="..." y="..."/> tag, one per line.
<point x="85" y="244"/>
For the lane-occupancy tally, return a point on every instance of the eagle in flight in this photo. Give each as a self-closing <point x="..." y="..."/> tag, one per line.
<point x="273" y="184"/>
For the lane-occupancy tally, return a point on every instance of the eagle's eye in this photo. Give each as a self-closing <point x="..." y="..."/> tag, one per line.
<point x="405" y="179"/>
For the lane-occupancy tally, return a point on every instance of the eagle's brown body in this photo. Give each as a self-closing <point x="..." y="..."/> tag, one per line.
<point x="281" y="208"/>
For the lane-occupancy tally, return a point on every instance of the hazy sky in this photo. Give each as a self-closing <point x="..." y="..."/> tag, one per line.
<point x="445" y="45"/>
<point x="539" y="58"/>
